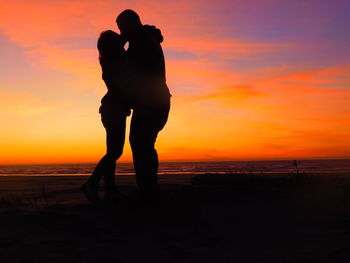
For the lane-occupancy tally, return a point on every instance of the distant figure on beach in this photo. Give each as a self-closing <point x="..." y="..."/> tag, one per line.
<point x="135" y="80"/>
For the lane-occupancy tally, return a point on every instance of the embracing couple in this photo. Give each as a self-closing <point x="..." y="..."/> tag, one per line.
<point x="135" y="80"/>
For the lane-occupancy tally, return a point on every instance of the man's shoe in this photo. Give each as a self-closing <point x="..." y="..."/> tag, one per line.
<point x="148" y="197"/>
<point x="113" y="197"/>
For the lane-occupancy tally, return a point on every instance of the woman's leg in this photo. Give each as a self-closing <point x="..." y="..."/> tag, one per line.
<point x="115" y="138"/>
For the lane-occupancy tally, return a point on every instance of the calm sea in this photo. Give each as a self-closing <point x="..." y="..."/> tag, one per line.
<point x="285" y="166"/>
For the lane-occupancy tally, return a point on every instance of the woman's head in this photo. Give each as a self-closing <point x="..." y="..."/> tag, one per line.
<point x="110" y="44"/>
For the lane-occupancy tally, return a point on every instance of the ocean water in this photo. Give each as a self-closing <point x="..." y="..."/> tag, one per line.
<point x="284" y="166"/>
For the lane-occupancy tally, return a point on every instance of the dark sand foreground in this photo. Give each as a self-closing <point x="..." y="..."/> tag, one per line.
<point x="215" y="219"/>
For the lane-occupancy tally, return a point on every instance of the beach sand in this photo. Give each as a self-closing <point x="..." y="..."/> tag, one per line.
<point x="230" y="218"/>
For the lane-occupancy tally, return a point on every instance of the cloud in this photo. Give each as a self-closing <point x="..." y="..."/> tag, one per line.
<point x="224" y="48"/>
<point x="65" y="26"/>
<point x="322" y="83"/>
<point x="177" y="54"/>
<point x="22" y="104"/>
<point x="237" y="92"/>
<point x="233" y="95"/>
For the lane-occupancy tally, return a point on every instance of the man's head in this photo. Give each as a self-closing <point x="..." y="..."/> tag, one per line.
<point x="128" y="22"/>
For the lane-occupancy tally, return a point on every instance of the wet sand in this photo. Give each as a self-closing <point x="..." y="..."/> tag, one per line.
<point x="214" y="219"/>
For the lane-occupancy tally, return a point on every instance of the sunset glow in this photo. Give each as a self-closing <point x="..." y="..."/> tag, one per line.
<point x="250" y="79"/>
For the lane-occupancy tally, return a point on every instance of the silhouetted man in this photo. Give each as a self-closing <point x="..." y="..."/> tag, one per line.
<point x="148" y="96"/>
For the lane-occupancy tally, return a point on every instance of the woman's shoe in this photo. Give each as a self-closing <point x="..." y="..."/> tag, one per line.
<point x="90" y="192"/>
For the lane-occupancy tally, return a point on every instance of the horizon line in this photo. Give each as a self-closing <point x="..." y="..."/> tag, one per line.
<point x="193" y="160"/>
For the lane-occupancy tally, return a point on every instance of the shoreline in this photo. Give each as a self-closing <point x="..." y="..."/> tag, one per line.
<point x="342" y="173"/>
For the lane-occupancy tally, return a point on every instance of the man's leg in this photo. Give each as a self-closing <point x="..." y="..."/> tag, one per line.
<point x="145" y="125"/>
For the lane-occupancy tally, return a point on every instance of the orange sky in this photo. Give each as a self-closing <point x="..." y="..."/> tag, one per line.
<point x="249" y="80"/>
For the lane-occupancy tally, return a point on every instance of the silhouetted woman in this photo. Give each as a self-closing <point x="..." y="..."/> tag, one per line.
<point x="113" y="114"/>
